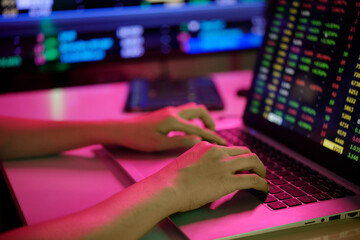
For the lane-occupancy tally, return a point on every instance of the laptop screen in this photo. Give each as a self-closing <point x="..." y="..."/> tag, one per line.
<point x="306" y="85"/>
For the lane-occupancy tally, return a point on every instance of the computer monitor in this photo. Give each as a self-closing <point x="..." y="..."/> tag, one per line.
<point x="57" y="43"/>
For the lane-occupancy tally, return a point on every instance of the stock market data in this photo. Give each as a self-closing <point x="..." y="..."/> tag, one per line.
<point x="48" y="36"/>
<point x="309" y="77"/>
<point x="12" y="8"/>
<point x="131" y="41"/>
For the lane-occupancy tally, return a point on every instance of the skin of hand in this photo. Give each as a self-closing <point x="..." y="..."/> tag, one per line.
<point x="149" y="132"/>
<point x="207" y="172"/>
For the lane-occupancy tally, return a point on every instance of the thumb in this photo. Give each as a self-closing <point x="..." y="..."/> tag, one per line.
<point x="180" y="142"/>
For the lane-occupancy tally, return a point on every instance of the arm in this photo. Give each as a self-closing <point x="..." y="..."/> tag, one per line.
<point x="201" y="175"/>
<point x="26" y="138"/>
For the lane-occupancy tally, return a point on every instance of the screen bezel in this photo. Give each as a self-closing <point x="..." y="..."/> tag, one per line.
<point x="333" y="161"/>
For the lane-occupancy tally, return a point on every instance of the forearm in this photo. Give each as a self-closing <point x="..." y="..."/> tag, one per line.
<point x="140" y="208"/>
<point x="127" y="215"/>
<point x="26" y="138"/>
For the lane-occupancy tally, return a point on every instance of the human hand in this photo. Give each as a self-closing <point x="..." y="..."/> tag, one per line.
<point x="149" y="132"/>
<point x="207" y="172"/>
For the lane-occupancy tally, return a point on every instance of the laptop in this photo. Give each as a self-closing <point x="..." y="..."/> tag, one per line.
<point x="303" y="120"/>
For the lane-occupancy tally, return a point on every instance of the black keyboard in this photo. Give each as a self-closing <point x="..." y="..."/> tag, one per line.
<point x="291" y="182"/>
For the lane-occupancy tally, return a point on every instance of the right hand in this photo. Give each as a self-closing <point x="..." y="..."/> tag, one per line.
<point x="207" y="172"/>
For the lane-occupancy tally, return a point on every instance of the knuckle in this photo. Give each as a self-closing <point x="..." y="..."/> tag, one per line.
<point x="254" y="158"/>
<point x="246" y="149"/>
<point x="202" y="146"/>
<point x="205" y="144"/>
<point x="188" y="105"/>
<point x="203" y="112"/>
<point x="202" y="106"/>
<point x="168" y="109"/>
<point x="192" y="104"/>
<point x="254" y="180"/>
<point x="171" y="120"/>
<point x="253" y="155"/>
<point x="216" y="152"/>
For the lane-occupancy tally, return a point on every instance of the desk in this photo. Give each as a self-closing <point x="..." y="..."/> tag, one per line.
<point x="51" y="187"/>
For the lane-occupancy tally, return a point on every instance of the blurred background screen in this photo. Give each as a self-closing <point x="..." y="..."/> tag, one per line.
<point x="59" y="43"/>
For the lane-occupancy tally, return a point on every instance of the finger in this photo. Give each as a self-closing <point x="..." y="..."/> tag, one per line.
<point x="187" y="105"/>
<point x="200" y="113"/>
<point x="248" y="162"/>
<point x="192" y="111"/>
<point x="186" y="141"/>
<point x="236" y="150"/>
<point x="206" y="134"/>
<point x="247" y="181"/>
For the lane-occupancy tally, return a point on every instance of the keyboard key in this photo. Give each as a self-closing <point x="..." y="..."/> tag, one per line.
<point x="307" y="199"/>
<point x="299" y="183"/>
<point x="282" y="173"/>
<point x="293" y="190"/>
<point x="270" y="199"/>
<point x="321" y="196"/>
<point x="273" y="189"/>
<point x="271" y="176"/>
<point x="279" y="181"/>
<point x="299" y="173"/>
<point x="291" y="178"/>
<point x="275" y="168"/>
<point x="320" y="186"/>
<point x="277" y="205"/>
<point x="349" y="192"/>
<point x="336" y="194"/>
<point x="310" y="178"/>
<point x="283" y="196"/>
<point x="292" y="202"/>
<point x="310" y="189"/>
<point x="328" y="182"/>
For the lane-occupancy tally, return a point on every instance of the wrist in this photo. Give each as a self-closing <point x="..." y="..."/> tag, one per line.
<point x="109" y="132"/>
<point x="168" y="197"/>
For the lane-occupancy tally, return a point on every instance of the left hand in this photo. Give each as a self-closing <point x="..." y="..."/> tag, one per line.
<point x="149" y="132"/>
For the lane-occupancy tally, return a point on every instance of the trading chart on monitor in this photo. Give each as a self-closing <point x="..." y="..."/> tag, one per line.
<point x="42" y="37"/>
<point x="309" y="77"/>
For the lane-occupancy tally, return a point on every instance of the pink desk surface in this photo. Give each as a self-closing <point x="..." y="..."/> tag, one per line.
<point x="50" y="187"/>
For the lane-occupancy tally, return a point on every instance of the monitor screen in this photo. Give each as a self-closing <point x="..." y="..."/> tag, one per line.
<point x="307" y="79"/>
<point x="44" y="43"/>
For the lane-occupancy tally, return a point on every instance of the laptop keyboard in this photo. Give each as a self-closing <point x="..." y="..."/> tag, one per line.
<point x="291" y="182"/>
